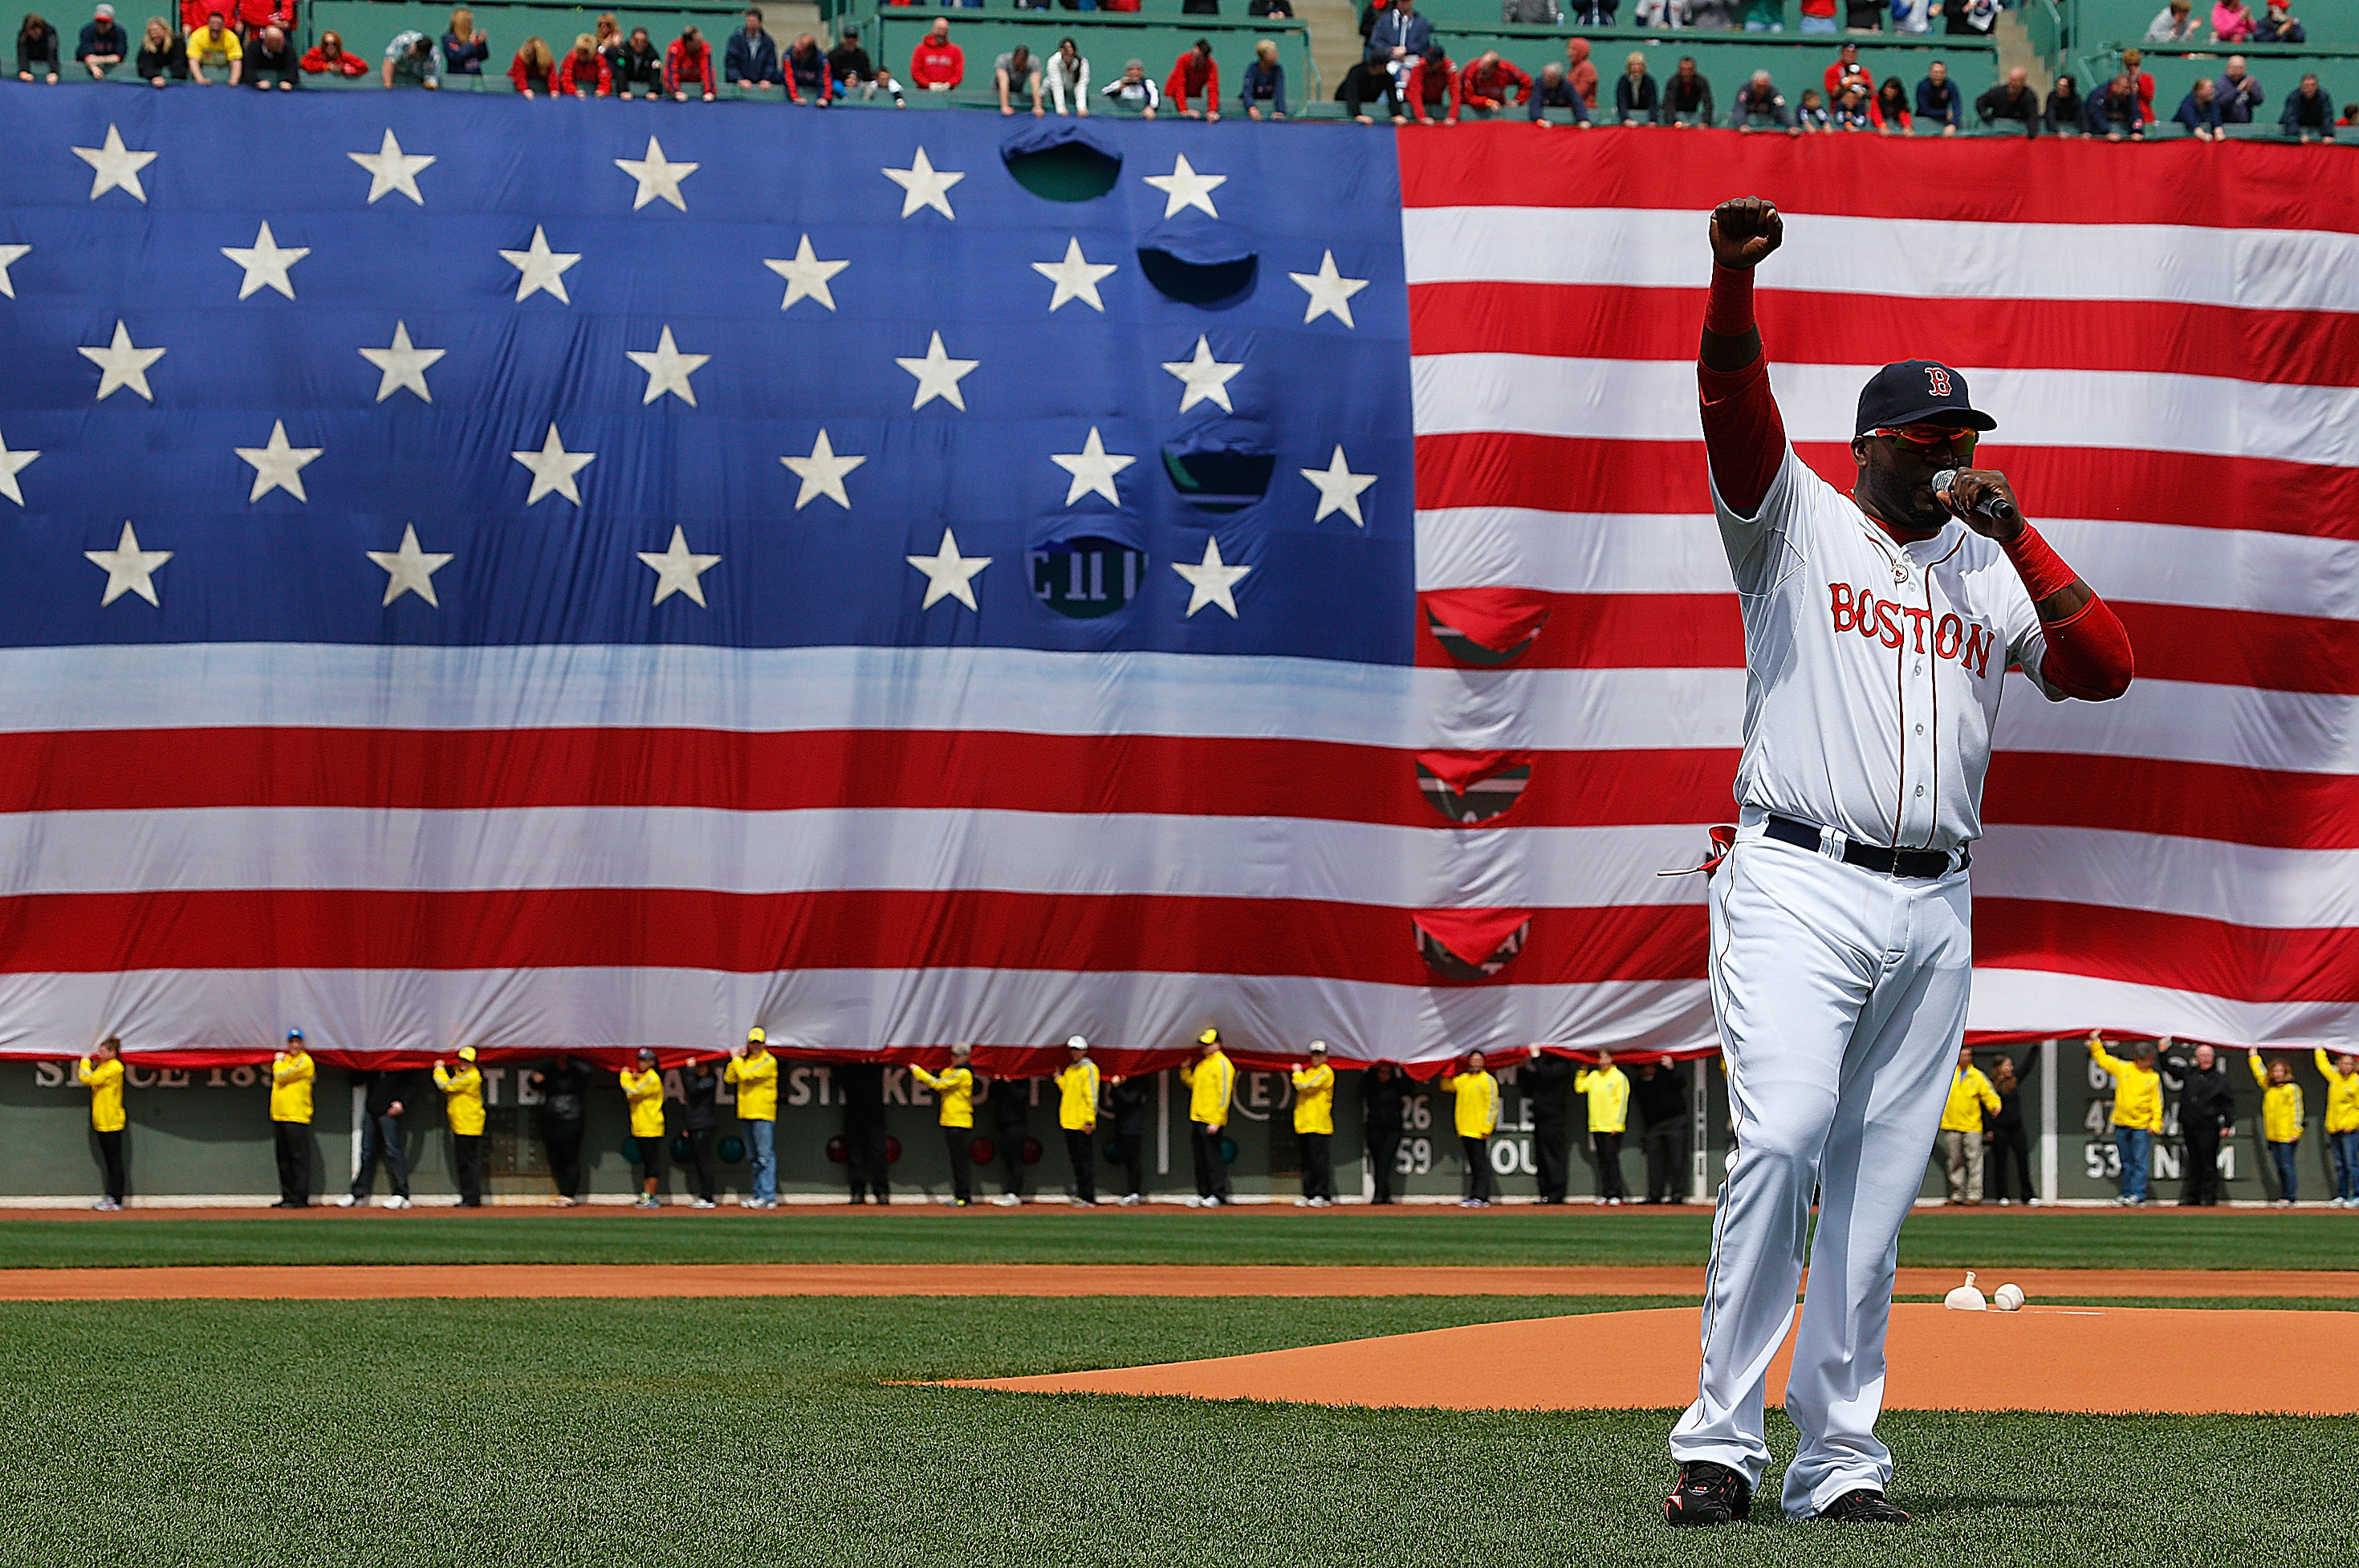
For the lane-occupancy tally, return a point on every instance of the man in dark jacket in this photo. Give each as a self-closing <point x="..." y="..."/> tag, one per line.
<point x="1662" y="1098"/>
<point x="1397" y="37"/>
<point x="1384" y="1097"/>
<point x="1547" y="1083"/>
<point x="384" y="1099"/>
<point x="1130" y="1097"/>
<point x="753" y="55"/>
<point x="862" y="1085"/>
<point x="103" y="45"/>
<point x="809" y="77"/>
<point x="1686" y="96"/>
<point x="2207" y="1108"/>
<point x="700" y="1083"/>
<point x="1009" y="1109"/>
<point x="2010" y="100"/>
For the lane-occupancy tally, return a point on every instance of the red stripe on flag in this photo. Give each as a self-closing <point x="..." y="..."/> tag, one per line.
<point x="1592" y="322"/>
<point x="2176" y="952"/>
<point x="2186" y="800"/>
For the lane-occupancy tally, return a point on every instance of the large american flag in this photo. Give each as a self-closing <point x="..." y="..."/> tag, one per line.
<point x="580" y="579"/>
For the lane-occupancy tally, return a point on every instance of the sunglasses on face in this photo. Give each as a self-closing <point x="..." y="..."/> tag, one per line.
<point x="1930" y="440"/>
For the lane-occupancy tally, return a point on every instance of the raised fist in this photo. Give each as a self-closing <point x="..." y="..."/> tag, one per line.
<point x="1744" y="231"/>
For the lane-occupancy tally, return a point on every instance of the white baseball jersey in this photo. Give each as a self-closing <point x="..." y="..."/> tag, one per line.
<point x="1873" y="669"/>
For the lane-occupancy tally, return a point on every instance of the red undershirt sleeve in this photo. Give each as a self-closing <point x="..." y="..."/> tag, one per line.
<point x="2088" y="652"/>
<point x="1743" y="435"/>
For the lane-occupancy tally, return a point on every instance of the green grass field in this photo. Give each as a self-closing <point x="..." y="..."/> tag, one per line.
<point x="740" y="1434"/>
<point x="1970" y="1239"/>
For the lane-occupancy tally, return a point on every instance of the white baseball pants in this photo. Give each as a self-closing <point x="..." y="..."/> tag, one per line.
<point x="1841" y="996"/>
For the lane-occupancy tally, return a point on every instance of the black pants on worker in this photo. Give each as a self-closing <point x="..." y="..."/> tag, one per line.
<point x="1011" y="1162"/>
<point x="563" y="1141"/>
<point x="955" y="1141"/>
<point x="1318" y="1164"/>
<point x="381" y="1139"/>
<point x="1084" y="1156"/>
<point x="1384" y="1151"/>
<point x="2201" y="1187"/>
<point x="1131" y="1150"/>
<point x="110" y="1158"/>
<point x="294" y="1145"/>
<point x="467" y="1165"/>
<point x="707" y="1165"/>
<point x="1667" y="1162"/>
<point x="1211" y="1171"/>
<point x="1478" y="1167"/>
<point x="1608" y="1146"/>
<point x="1363" y="83"/>
<point x="866" y="1157"/>
<point x="2008" y="1145"/>
<point x="1552" y="1154"/>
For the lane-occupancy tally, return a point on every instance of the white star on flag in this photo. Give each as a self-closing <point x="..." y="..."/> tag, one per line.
<point x="1211" y="581"/>
<point x="1184" y="187"/>
<point x="1093" y="469"/>
<point x="278" y="466"/>
<point x="823" y="475"/>
<point x="410" y="569"/>
<point x="553" y="468"/>
<point x="540" y="268"/>
<point x="807" y="275"/>
<point x="923" y="185"/>
<point x="1205" y="378"/>
<point x="657" y="175"/>
<point x="129" y="568"/>
<point x="949" y="575"/>
<point x="124" y="365"/>
<point x="9" y="256"/>
<point x="115" y="166"/>
<point x="1076" y="277"/>
<point x="676" y="570"/>
<point x="1339" y="488"/>
<point x="390" y="169"/>
<point x="668" y="370"/>
<point x="402" y="366"/>
<point x="265" y="264"/>
<point x="938" y="375"/>
<point x="1331" y="292"/>
<point x="11" y="465"/>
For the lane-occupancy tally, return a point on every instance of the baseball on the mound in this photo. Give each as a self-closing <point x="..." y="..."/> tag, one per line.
<point x="2008" y="1298"/>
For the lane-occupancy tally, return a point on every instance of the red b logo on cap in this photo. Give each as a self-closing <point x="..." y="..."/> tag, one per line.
<point x="1939" y="379"/>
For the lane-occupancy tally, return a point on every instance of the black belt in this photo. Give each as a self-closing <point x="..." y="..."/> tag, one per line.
<point x="1928" y="863"/>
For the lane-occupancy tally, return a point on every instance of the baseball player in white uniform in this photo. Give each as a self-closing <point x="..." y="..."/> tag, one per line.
<point x="1879" y="627"/>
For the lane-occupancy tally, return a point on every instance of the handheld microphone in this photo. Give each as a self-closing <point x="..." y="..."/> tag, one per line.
<point x="1994" y="507"/>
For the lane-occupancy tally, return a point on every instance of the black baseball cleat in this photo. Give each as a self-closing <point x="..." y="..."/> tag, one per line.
<point x="1862" y="1506"/>
<point x="1708" y="1494"/>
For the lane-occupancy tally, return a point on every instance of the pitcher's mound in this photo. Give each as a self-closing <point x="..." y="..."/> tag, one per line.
<point x="2109" y="1361"/>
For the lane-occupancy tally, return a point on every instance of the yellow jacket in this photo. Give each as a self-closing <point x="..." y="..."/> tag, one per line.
<point x="1971" y="1094"/>
<point x="2281" y="1103"/>
<point x="1077" y="1109"/>
<point x="2137" y="1091"/>
<point x="290" y="1086"/>
<point x="1478" y="1102"/>
<point x="755" y="1074"/>
<point x="645" y="1092"/>
<point x="209" y="47"/>
<point x="1608" y="1091"/>
<point x="1314" y="1098"/>
<point x="106" y="1083"/>
<point x="1210" y="1080"/>
<point x="2342" y="1096"/>
<point x="462" y="1101"/>
<point x="956" y="1086"/>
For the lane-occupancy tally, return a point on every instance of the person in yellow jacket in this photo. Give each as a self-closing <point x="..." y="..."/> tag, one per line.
<point x="1607" y="1088"/>
<point x="2341" y="1075"/>
<point x="1477" y="1116"/>
<point x="2137" y="1111"/>
<point x="101" y="1073"/>
<point x="292" y="1072"/>
<point x="1077" y="1113"/>
<point x="1211" y="1080"/>
<point x="955" y="1087"/>
<point x="463" y="1107"/>
<point x="2280" y="1122"/>
<point x="1314" y="1126"/>
<point x="1971" y="1094"/>
<point x="756" y="1073"/>
<point x="643" y="1091"/>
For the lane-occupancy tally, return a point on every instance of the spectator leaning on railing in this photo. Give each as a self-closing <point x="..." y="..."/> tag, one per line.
<point x="1812" y="116"/>
<point x="1261" y="93"/>
<point x="2010" y="100"/>
<point x="327" y="58"/>
<point x="1195" y="74"/>
<point x="1686" y="96"/>
<point x="636" y="66"/>
<point x="413" y="60"/>
<point x="534" y="69"/>
<point x="1555" y="91"/>
<point x="1067" y="76"/>
<point x="583" y="72"/>
<point x="2200" y="110"/>
<point x="162" y="57"/>
<point x="688" y="66"/>
<point x="1938" y="100"/>
<point x="1134" y="91"/>
<point x="1486" y="86"/>
<point x="1427" y="87"/>
<point x="1014" y="73"/>
<point x="1759" y="100"/>
<point x="752" y="59"/>
<point x="1888" y="109"/>
<point x="2308" y="113"/>
<point x="36" y="49"/>
<point x="215" y="44"/>
<point x="271" y="60"/>
<point x="1636" y="97"/>
<point x="808" y="76"/>
<point x="1855" y="111"/>
<point x="104" y="46"/>
<point x="2062" y="115"/>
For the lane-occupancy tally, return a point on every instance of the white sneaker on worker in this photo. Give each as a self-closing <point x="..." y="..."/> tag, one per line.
<point x="396" y="1201"/>
<point x="704" y="1203"/>
<point x="1007" y="1200"/>
<point x="107" y="1206"/>
<point x="1130" y="1200"/>
<point x="1318" y="1203"/>
<point x="344" y="1200"/>
<point x="1213" y="1203"/>
<point x="1302" y="1203"/>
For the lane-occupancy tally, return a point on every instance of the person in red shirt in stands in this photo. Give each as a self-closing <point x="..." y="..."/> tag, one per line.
<point x="1845" y="70"/>
<point x="1484" y="85"/>
<point x="1192" y="74"/>
<point x="1429" y="84"/>
<point x="328" y="58"/>
<point x="583" y="72"/>
<point x="2134" y="63"/>
<point x="534" y="69"/>
<point x="690" y="60"/>
<point x="252" y="16"/>
<point x="937" y="65"/>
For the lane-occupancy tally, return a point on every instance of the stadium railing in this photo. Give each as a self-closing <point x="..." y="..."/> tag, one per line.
<point x="2279" y="68"/>
<point x="1107" y="39"/>
<point x="1794" y="60"/>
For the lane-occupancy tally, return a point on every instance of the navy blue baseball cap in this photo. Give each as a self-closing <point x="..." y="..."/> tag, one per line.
<point x="1917" y="392"/>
